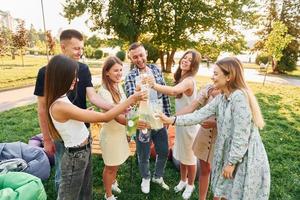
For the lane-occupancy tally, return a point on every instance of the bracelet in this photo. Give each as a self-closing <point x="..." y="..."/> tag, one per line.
<point x="175" y="118"/>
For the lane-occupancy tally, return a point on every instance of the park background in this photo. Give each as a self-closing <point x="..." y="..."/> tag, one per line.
<point x="263" y="34"/>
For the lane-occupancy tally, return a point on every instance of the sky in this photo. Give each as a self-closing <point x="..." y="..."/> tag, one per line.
<point x="31" y="12"/>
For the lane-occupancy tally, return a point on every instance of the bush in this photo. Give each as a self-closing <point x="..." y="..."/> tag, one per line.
<point x="98" y="53"/>
<point x="261" y="58"/>
<point x="89" y="51"/>
<point x="288" y="62"/>
<point x="105" y="54"/>
<point x="153" y="53"/>
<point x="121" y="55"/>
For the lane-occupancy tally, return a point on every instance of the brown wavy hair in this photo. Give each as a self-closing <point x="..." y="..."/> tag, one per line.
<point x="233" y="68"/>
<point x="108" y="64"/>
<point x="196" y="59"/>
<point x="60" y="73"/>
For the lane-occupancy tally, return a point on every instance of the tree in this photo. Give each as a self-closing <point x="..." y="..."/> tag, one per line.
<point x="290" y="16"/>
<point x="20" y="39"/>
<point x="177" y="24"/>
<point x="126" y="19"/>
<point x="5" y="36"/>
<point x="266" y="22"/>
<point x="33" y="37"/>
<point x="276" y="41"/>
<point x="94" y="42"/>
<point x="50" y="43"/>
<point x="172" y="24"/>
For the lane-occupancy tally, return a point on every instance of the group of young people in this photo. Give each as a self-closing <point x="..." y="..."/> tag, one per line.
<point x="223" y="133"/>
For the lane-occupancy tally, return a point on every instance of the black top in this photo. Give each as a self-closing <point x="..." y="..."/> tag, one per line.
<point x="78" y="95"/>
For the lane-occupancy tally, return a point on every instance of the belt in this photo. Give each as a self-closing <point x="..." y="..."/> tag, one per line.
<point x="79" y="148"/>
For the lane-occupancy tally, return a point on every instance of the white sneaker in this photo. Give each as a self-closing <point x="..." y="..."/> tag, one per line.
<point x="188" y="191"/>
<point x="145" y="186"/>
<point x="110" y="198"/>
<point x="181" y="185"/>
<point x="115" y="187"/>
<point x="161" y="182"/>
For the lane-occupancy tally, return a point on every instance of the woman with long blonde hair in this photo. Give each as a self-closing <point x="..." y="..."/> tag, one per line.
<point x="240" y="166"/>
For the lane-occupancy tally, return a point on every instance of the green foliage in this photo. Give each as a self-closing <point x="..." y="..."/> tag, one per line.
<point x="288" y="61"/>
<point x="277" y="40"/>
<point x="261" y="58"/>
<point x="152" y="51"/>
<point x="172" y="24"/>
<point x="94" y="42"/>
<point x="121" y="55"/>
<point x="98" y="53"/>
<point x="89" y="51"/>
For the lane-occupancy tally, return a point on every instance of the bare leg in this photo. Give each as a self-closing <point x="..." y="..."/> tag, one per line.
<point x="109" y="176"/>
<point x="204" y="179"/>
<point x="183" y="172"/>
<point x="191" y="173"/>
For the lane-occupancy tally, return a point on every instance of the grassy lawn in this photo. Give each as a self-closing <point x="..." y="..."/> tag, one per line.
<point x="281" y="137"/>
<point x="14" y="75"/>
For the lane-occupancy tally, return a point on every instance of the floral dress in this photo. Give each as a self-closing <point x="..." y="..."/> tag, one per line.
<point x="238" y="142"/>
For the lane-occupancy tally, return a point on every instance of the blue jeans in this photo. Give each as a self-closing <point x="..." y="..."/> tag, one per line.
<point x="60" y="149"/>
<point x="76" y="175"/>
<point x="160" y="140"/>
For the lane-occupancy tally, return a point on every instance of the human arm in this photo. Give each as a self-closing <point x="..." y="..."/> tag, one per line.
<point x="62" y="111"/>
<point x="193" y="118"/>
<point x="42" y="116"/>
<point x="242" y="128"/>
<point x="186" y="85"/>
<point x="95" y="99"/>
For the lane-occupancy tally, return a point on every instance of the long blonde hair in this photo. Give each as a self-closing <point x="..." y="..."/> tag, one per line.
<point x="233" y="68"/>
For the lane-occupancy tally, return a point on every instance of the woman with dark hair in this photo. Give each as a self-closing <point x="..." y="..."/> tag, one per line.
<point x="185" y="91"/>
<point x="240" y="167"/>
<point x="66" y="122"/>
<point x="113" y="141"/>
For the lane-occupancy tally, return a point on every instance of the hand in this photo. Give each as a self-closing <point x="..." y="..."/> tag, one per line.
<point x="210" y="123"/>
<point x="165" y="119"/>
<point x="49" y="147"/>
<point x="228" y="171"/>
<point x="138" y="87"/>
<point x="150" y="80"/>
<point x="140" y="96"/>
<point x="143" y="125"/>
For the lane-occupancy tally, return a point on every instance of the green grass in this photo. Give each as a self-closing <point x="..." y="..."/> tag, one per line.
<point x="280" y="106"/>
<point x="14" y="75"/>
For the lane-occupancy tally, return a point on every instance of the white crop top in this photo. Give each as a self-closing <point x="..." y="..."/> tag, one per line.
<point x="72" y="132"/>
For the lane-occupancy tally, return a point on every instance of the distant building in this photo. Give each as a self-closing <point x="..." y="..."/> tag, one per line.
<point x="8" y="21"/>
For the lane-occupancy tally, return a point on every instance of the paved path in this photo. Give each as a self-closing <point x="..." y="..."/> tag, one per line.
<point x="24" y="96"/>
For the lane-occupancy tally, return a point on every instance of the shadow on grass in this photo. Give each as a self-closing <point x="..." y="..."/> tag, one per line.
<point x="281" y="137"/>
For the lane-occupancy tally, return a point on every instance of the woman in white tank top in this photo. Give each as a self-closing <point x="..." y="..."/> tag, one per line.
<point x="66" y="122"/>
<point x="185" y="91"/>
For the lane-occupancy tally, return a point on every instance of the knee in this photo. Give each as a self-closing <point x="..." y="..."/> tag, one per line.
<point x="205" y="170"/>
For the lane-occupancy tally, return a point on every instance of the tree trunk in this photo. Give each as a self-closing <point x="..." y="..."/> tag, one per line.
<point x="22" y="58"/>
<point x="162" y="62"/>
<point x="13" y="54"/>
<point x="274" y="66"/>
<point x="170" y="61"/>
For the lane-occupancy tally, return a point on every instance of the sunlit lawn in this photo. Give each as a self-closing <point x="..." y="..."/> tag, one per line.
<point x="14" y="75"/>
<point x="281" y="136"/>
